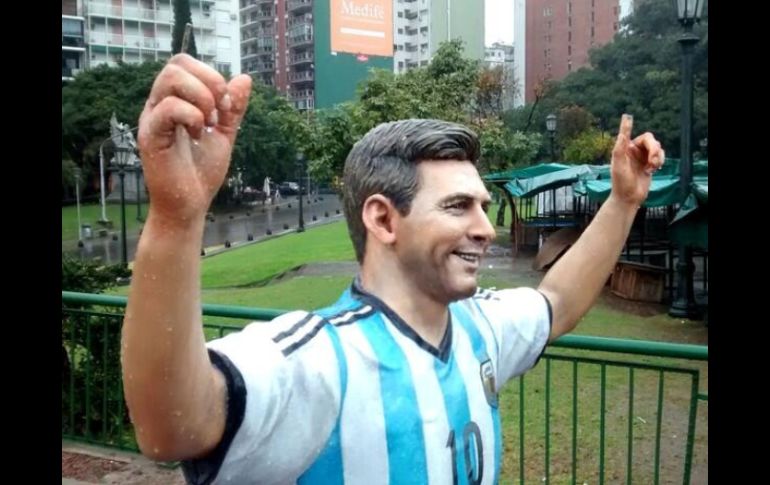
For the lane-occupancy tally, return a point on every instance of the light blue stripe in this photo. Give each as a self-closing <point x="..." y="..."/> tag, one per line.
<point x="403" y="422"/>
<point x="456" y="404"/>
<point x="328" y="467"/>
<point x="344" y="302"/>
<point x="480" y="351"/>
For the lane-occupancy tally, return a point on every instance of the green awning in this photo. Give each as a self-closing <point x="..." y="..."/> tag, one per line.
<point x="534" y="185"/>
<point x="690" y="224"/>
<point x="664" y="190"/>
<point x="525" y="173"/>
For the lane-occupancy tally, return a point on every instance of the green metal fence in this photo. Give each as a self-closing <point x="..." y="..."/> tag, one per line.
<point x="596" y="410"/>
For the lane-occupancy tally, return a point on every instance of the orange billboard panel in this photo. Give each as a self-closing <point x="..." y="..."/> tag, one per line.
<point x="362" y="27"/>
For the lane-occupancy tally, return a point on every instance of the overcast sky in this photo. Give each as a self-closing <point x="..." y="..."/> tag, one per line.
<point x="498" y="22"/>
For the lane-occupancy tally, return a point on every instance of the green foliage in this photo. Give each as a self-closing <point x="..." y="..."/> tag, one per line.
<point x="502" y="149"/>
<point x="89" y="277"/>
<point x="331" y="138"/>
<point x="639" y="72"/>
<point x="271" y="134"/>
<point x="91" y="396"/>
<point x="592" y="146"/>
<point x="89" y="101"/>
<point x="68" y="169"/>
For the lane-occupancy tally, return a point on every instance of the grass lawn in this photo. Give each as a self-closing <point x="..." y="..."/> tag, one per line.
<point x="91" y="213"/>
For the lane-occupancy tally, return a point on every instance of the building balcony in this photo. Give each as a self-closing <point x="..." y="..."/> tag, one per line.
<point x="300" y="40"/>
<point x="300" y="21"/>
<point x="300" y="6"/>
<point x="301" y="76"/>
<point x="302" y="93"/>
<point x="249" y="5"/>
<point x="74" y="42"/>
<point x="140" y="42"/>
<point x="303" y="58"/>
<point x="202" y="20"/>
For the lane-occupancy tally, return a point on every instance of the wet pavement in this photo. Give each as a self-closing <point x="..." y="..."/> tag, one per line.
<point x="234" y="226"/>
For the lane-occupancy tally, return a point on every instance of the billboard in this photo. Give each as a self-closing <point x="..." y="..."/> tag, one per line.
<point x="362" y="27"/>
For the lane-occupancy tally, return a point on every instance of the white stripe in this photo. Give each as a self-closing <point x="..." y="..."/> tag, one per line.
<point x="470" y="368"/>
<point x="348" y="315"/>
<point x="485" y="329"/>
<point x="430" y="401"/>
<point x="365" y="33"/>
<point x="362" y="424"/>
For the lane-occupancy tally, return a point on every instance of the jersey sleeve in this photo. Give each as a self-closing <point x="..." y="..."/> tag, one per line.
<point x="283" y="385"/>
<point x="520" y="319"/>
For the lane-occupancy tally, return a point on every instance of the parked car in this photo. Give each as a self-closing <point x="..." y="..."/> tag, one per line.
<point x="289" y="188"/>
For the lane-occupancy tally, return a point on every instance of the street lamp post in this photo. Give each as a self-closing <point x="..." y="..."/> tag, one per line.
<point x="684" y="305"/>
<point x="103" y="200"/>
<point x="301" y="168"/>
<point x="122" y="162"/>
<point x="550" y="125"/>
<point x="138" y="173"/>
<point x="77" y="202"/>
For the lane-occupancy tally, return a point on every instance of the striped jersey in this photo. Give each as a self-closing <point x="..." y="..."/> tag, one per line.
<point x="351" y="394"/>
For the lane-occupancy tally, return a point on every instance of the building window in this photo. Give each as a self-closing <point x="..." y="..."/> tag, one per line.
<point x="547" y="12"/>
<point x="223" y="67"/>
<point x="400" y="15"/>
<point x="549" y="25"/>
<point x="592" y="32"/>
<point x="400" y="31"/>
<point x="569" y="36"/>
<point x="569" y="50"/>
<point x="615" y="26"/>
<point x="569" y="66"/>
<point x="569" y="21"/>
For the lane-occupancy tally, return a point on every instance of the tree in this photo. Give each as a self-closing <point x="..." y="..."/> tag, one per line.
<point x="495" y="89"/>
<point x="68" y="169"/>
<point x="88" y="103"/>
<point x="490" y="92"/>
<point x="271" y="134"/>
<point x="640" y="73"/>
<point x="88" y="276"/>
<point x="445" y="90"/>
<point x="331" y="138"/>
<point x="571" y="122"/>
<point x="182" y="17"/>
<point x="591" y="146"/>
<point x="502" y="149"/>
